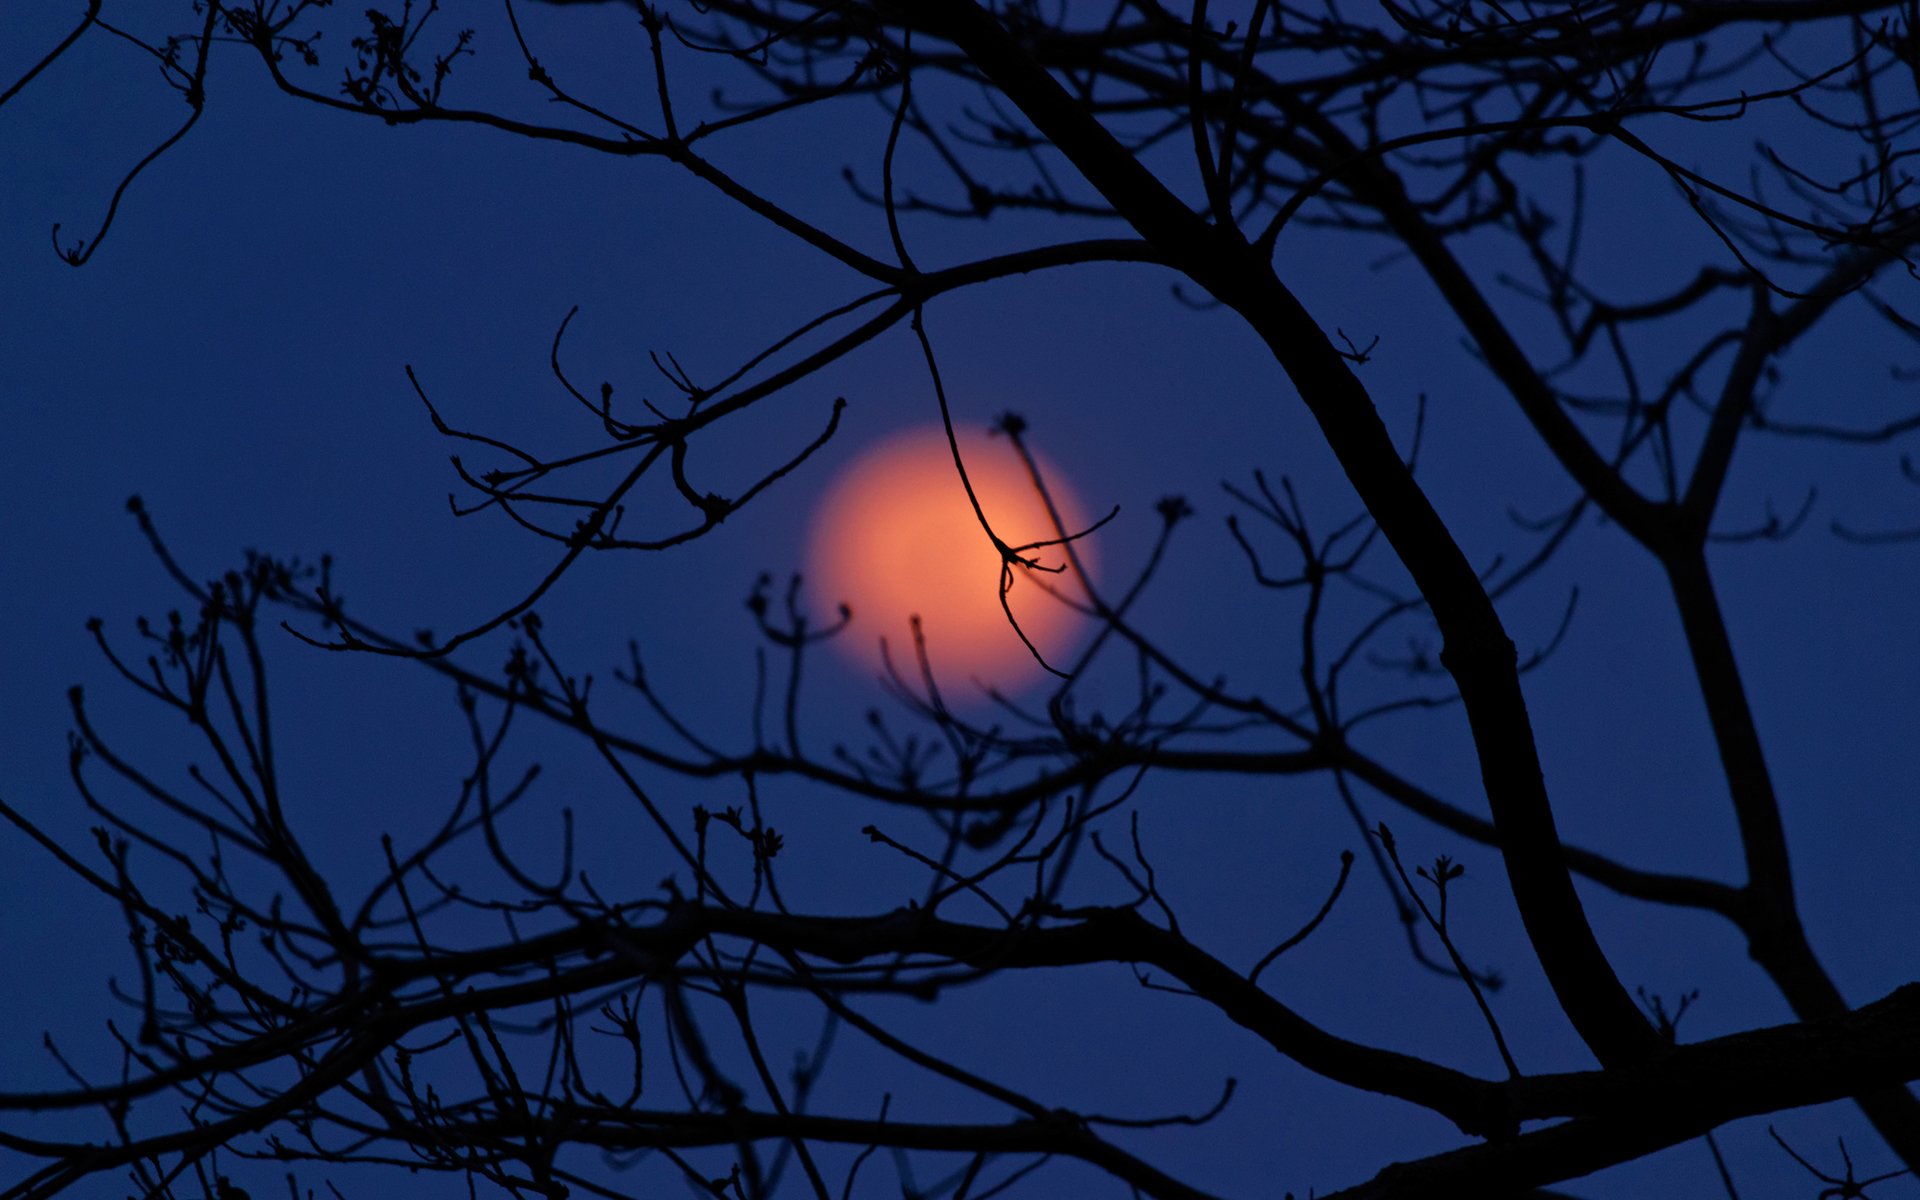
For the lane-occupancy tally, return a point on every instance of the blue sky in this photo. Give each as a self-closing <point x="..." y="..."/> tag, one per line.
<point x="234" y="353"/>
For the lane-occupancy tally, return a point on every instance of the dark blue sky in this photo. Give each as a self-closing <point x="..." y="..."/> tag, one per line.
<point x="234" y="353"/>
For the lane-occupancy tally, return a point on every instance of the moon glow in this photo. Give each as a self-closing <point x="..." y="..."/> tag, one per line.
<point x="896" y="537"/>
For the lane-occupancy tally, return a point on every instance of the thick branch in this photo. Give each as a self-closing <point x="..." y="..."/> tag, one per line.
<point x="1478" y="652"/>
<point x="1647" y="1108"/>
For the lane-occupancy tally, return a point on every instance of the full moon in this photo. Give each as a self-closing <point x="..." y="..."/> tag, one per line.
<point x="895" y="537"/>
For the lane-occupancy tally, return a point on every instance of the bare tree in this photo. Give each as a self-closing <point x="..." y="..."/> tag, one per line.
<point x="280" y="1018"/>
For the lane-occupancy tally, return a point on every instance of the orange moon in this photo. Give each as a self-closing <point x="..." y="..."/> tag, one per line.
<point x="896" y="537"/>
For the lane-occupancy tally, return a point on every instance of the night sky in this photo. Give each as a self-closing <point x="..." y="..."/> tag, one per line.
<point x="235" y="351"/>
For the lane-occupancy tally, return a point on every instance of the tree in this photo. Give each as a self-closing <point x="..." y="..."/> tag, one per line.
<point x="1572" y="188"/>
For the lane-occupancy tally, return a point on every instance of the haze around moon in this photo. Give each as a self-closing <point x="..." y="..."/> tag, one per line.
<point x="895" y="537"/>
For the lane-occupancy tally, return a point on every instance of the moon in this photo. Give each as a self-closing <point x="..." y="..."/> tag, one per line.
<point x="895" y="537"/>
